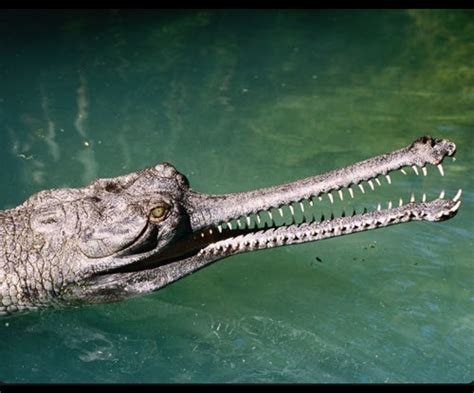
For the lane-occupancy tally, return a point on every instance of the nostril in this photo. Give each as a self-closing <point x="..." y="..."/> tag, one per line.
<point x="452" y="148"/>
<point x="112" y="187"/>
<point x="424" y="139"/>
<point x="427" y="139"/>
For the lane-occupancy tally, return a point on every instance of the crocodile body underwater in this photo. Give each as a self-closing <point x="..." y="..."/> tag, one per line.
<point x="133" y="234"/>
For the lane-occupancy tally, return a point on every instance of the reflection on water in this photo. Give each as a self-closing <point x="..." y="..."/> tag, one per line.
<point x="50" y="133"/>
<point x="86" y="156"/>
<point x="238" y="100"/>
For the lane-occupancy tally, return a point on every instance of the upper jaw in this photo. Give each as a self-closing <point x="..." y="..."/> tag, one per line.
<point x="213" y="210"/>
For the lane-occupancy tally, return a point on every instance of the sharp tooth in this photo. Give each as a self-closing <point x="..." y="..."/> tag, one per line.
<point x="400" y="202"/>
<point x="440" y="169"/>
<point x="389" y="180"/>
<point x="423" y="198"/>
<point x="351" y="192"/>
<point x="389" y="204"/>
<point x="458" y="195"/>
<point x="415" y="169"/>
<point x="379" y="207"/>
<point x="219" y="228"/>
<point x="210" y="231"/>
<point x="424" y="170"/>
<point x="259" y="220"/>
<point x="302" y="207"/>
<point x="239" y="223"/>
<point x="311" y="202"/>
<point x="292" y="210"/>
<point x="330" y="197"/>
<point x="248" y="221"/>
<point x="403" y="171"/>
<point x="371" y="185"/>
<point x="340" y="195"/>
<point x="229" y="225"/>
<point x="320" y="198"/>
<point x="441" y="195"/>
<point x="378" y="181"/>
<point x="361" y="188"/>
<point x="456" y="206"/>
<point x="412" y="198"/>
<point x="270" y="215"/>
<point x="280" y="210"/>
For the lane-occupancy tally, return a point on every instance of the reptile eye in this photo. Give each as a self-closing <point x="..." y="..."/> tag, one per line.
<point x="159" y="213"/>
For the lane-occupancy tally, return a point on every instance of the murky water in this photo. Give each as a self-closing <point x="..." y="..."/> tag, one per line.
<point x="238" y="100"/>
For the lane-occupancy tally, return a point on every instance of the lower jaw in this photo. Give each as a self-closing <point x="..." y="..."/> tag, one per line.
<point x="234" y="241"/>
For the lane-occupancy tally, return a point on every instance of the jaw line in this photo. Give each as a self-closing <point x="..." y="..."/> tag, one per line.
<point x="126" y="257"/>
<point x="145" y="236"/>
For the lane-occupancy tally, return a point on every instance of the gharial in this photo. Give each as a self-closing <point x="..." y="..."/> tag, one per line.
<point x="134" y="234"/>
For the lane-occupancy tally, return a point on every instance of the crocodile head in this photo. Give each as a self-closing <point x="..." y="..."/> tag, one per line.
<point x="134" y="234"/>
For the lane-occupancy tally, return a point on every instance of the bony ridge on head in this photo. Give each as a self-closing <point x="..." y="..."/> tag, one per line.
<point x="166" y="170"/>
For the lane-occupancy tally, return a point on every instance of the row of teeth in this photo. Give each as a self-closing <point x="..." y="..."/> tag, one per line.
<point x="274" y="236"/>
<point x="245" y="222"/>
<point x="390" y="205"/>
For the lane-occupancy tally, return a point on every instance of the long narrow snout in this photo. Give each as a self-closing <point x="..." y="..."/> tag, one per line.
<point x="210" y="210"/>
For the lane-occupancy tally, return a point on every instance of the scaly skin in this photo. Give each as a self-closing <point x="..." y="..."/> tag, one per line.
<point x="134" y="234"/>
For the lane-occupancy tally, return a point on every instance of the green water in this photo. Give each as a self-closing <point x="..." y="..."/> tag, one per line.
<point x="238" y="100"/>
